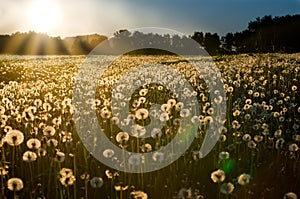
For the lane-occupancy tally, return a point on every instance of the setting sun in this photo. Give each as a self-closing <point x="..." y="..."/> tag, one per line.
<point x="43" y="15"/>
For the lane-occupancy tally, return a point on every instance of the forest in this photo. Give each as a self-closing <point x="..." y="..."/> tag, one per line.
<point x="263" y="35"/>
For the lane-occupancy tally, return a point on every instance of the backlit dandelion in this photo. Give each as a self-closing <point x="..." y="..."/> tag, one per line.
<point x="139" y="195"/>
<point x="49" y="131"/>
<point x="14" y="137"/>
<point x="29" y="156"/>
<point x="141" y="114"/>
<point x="96" y="182"/>
<point x="290" y="195"/>
<point x="227" y="188"/>
<point x="15" y="184"/>
<point x="108" y="153"/>
<point x="244" y="179"/>
<point x="218" y="176"/>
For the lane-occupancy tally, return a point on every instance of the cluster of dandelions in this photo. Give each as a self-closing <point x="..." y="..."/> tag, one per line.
<point x="42" y="156"/>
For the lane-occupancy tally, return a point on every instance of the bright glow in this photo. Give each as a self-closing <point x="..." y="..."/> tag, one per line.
<point x="43" y="15"/>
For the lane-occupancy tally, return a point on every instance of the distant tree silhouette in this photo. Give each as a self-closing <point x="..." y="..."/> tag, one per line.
<point x="266" y="34"/>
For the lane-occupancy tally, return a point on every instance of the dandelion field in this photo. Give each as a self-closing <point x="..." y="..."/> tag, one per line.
<point x="257" y="155"/>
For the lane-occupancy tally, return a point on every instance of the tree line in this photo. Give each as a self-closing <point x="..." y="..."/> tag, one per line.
<point x="263" y="35"/>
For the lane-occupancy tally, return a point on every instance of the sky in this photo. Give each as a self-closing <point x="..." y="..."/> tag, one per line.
<point x="78" y="17"/>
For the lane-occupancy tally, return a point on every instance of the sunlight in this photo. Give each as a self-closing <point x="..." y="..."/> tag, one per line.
<point x="43" y="15"/>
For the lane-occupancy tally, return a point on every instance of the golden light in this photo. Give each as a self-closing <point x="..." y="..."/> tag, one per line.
<point x="43" y="15"/>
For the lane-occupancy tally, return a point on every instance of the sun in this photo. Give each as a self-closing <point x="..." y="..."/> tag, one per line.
<point x="43" y="15"/>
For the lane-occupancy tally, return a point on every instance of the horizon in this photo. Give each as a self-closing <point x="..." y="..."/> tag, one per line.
<point x="57" y="18"/>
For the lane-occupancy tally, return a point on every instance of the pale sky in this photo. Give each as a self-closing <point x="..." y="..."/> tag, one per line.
<point x="78" y="17"/>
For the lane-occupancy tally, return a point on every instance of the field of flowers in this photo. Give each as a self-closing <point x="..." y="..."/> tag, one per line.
<point x="257" y="155"/>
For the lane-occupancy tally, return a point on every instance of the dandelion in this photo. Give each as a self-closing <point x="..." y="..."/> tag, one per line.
<point x="67" y="180"/>
<point x="171" y="102"/>
<point x="15" y="184"/>
<point x="108" y="153"/>
<point x="224" y="155"/>
<point x="29" y="156"/>
<point x="143" y="92"/>
<point x="258" y="138"/>
<point x="52" y="143"/>
<point x="179" y="106"/>
<point x="139" y="195"/>
<point x="138" y="131"/>
<point x="14" y="137"/>
<point x="293" y="147"/>
<point x="227" y="188"/>
<point x="218" y="176"/>
<point x="156" y="133"/>
<point x="49" y="131"/>
<point x="158" y="156"/>
<point x="279" y="143"/>
<point x="184" y="113"/>
<point x="66" y="172"/>
<point x="164" y="117"/>
<point x="96" y="182"/>
<point x="59" y="156"/>
<point x="246" y="137"/>
<point x="146" y="148"/>
<point x="244" y="179"/>
<point x="135" y="160"/>
<point x="142" y="114"/>
<point x="122" y="137"/>
<point x="121" y="188"/>
<point x="230" y="89"/>
<point x="251" y="144"/>
<point x="4" y="170"/>
<point x="290" y="195"/>
<point x="33" y="143"/>
<point x="294" y="88"/>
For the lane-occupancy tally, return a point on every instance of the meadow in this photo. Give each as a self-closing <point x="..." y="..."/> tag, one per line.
<point x="256" y="156"/>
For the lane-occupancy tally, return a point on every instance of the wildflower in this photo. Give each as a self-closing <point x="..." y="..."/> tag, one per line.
<point x="135" y="160"/>
<point x="29" y="156"/>
<point x="290" y="195"/>
<point x="122" y="137"/>
<point x="15" y="184"/>
<point x="14" y="137"/>
<point x="52" y="143"/>
<point x="294" y="88"/>
<point x="293" y="147"/>
<point x="66" y="172"/>
<point x="224" y="155"/>
<point x="244" y="179"/>
<point x="171" y="102"/>
<point x="279" y="143"/>
<point x="49" y="131"/>
<point x="138" y="131"/>
<point x="184" y="113"/>
<point x="146" y="147"/>
<point x="108" y="153"/>
<point x="120" y="187"/>
<point x="218" y="176"/>
<point x="246" y="137"/>
<point x="143" y="92"/>
<point x="156" y="133"/>
<point x="139" y="195"/>
<point x="158" y="157"/>
<point x="164" y="117"/>
<point x="67" y="180"/>
<point x="4" y="170"/>
<point x="227" y="188"/>
<point x="59" y="156"/>
<point x="110" y="175"/>
<point x="96" y="182"/>
<point x="142" y="114"/>
<point x="251" y="144"/>
<point x="179" y="106"/>
<point x="258" y="138"/>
